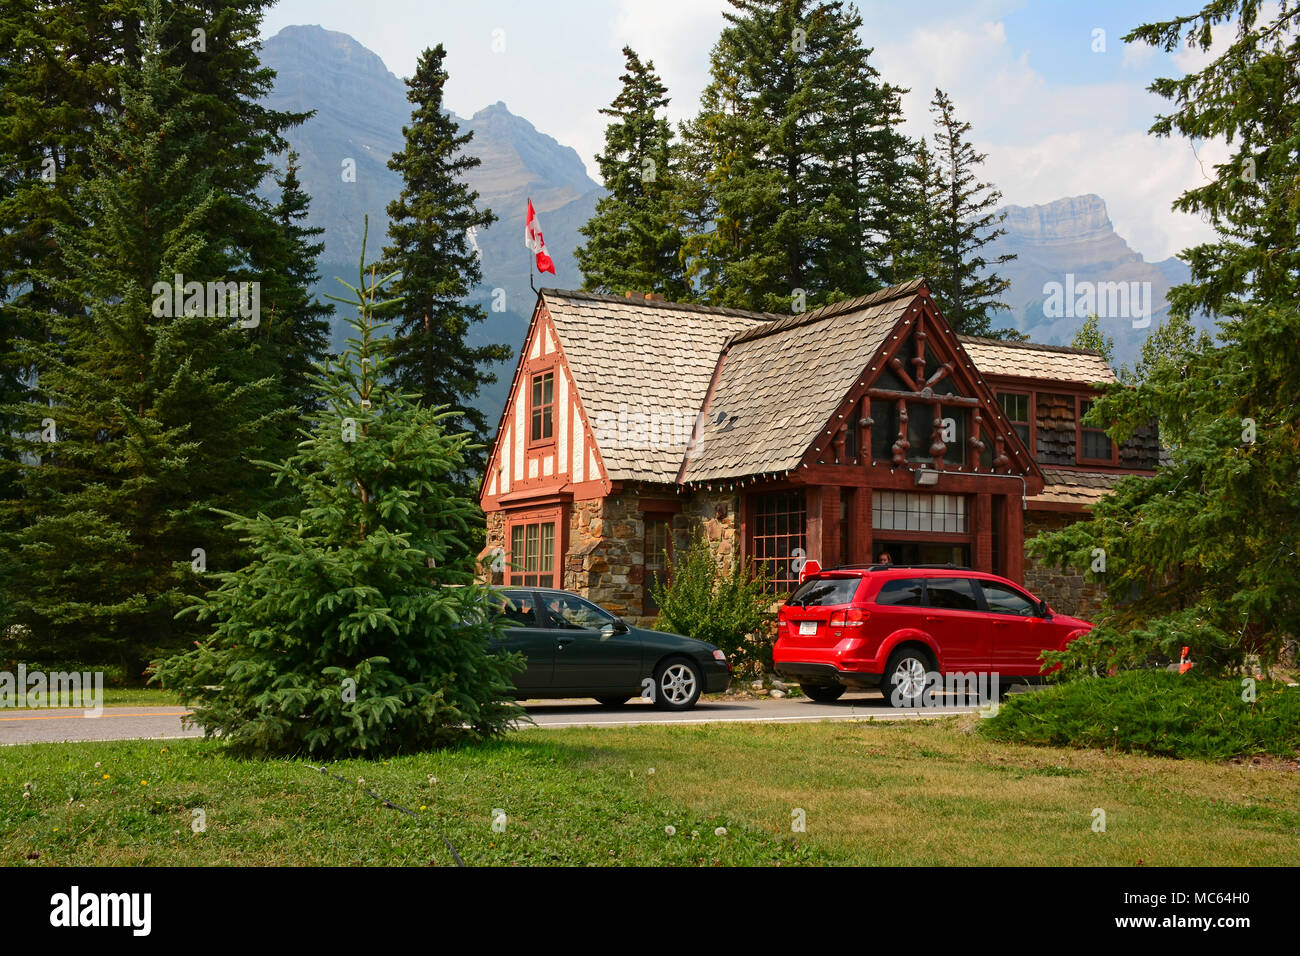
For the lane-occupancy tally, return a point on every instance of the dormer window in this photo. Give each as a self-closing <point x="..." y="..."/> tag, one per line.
<point x="542" y="408"/>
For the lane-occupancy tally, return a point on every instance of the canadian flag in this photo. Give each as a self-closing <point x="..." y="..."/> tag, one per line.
<point x="534" y="241"/>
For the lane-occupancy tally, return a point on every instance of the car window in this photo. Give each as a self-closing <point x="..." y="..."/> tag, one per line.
<point x="519" y="608"/>
<point x="903" y="592"/>
<point x="569" y="610"/>
<point x="821" y="592"/>
<point x="1005" y="600"/>
<point x="952" y="594"/>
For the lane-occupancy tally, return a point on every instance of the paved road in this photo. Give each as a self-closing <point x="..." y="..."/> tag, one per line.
<point x="164" y="723"/>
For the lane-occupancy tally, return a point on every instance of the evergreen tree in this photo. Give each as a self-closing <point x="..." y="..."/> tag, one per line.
<point x="143" y="411"/>
<point x="356" y="628"/>
<point x="432" y="354"/>
<point x="297" y="328"/>
<point x="763" y="133"/>
<point x="632" y="242"/>
<point x="912" y="249"/>
<point x="967" y="289"/>
<point x="1210" y="542"/>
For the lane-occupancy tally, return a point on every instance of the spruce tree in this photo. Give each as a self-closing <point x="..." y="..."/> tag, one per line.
<point x="632" y="242"/>
<point x="143" y="412"/>
<point x="1090" y="336"/>
<point x="429" y="248"/>
<point x="1209" y="544"/>
<point x="356" y="628"/>
<point x="967" y="289"/>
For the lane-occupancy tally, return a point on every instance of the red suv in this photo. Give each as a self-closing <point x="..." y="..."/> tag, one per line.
<point x="889" y="626"/>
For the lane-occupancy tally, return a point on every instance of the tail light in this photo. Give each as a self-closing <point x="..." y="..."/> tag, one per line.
<point x="846" y="622"/>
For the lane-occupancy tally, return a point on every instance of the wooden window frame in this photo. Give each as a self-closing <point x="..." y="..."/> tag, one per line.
<point x="756" y="514"/>
<point x="516" y="565"/>
<point x="1080" y="428"/>
<point x="660" y="517"/>
<point x="548" y="409"/>
<point x="1031" y="425"/>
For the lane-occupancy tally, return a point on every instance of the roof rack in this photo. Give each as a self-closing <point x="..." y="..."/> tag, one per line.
<point x="888" y="567"/>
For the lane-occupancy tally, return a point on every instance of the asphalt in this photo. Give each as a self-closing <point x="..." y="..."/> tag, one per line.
<point x="166" y="723"/>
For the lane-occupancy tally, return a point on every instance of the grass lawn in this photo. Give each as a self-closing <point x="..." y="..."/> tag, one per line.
<point x="872" y="793"/>
<point x="119" y="697"/>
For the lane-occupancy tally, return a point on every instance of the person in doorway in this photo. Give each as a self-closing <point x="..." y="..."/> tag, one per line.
<point x="885" y="558"/>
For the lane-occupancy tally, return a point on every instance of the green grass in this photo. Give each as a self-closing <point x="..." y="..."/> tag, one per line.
<point x="586" y="796"/>
<point x="1156" y="712"/>
<point x="118" y="697"/>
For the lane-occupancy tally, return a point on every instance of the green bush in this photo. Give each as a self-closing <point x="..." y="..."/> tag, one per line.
<point x="724" y="603"/>
<point x="1156" y="712"/>
<point x="356" y="628"/>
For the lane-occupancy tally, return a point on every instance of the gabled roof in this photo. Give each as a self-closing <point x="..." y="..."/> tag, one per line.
<point x="1031" y="360"/>
<point x="779" y="383"/>
<point x="644" y="363"/>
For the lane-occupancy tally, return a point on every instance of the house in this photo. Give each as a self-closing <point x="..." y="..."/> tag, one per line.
<point x="862" y="427"/>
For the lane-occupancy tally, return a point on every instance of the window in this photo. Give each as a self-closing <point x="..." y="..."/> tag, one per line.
<point x="779" y="529"/>
<point x="952" y="594"/>
<point x="913" y="511"/>
<point x="1004" y="600"/>
<point x="519" y="608"/>
<point x="1016" y="407"/>
<point x="658" y="548"/>
<point x="532" y="555"/>
<point x="571" y="611"/>
<point x="543" y="407"/>
<point x="825" y="592"/>
<point x="1094" y="444"/>
<point x="902" y="592"/>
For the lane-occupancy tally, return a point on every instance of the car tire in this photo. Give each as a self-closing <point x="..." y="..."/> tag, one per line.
<point x="913" y="663"/>
<point x="678" y="684"/>
<point x="823" y="693"/>
<point x="613" y="701"/>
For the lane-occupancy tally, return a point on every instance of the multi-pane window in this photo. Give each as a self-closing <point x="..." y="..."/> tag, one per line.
<point x="1016" y="407"/>
<point x="543" y="406"/>
<point x="658" y="534"/>
<point x="532" y="555"/>
<point x="913" y="511"/>
<point x="780" y="537"/>
<point x="1094" y="444"/>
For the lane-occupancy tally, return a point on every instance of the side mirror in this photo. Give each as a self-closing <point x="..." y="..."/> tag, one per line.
<point x="1043" y="610"/>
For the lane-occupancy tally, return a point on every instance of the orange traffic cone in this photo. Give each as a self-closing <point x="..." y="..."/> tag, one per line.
<point x="1184" y="665"/>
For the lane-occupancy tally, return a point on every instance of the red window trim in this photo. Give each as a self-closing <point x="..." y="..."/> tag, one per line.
<point x="534" y="374"/>
<point x="522" y="519"/>
<point x="1079" y="429"/>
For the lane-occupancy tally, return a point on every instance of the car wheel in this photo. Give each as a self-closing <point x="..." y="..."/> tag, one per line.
<point x="677" y="684"/>
<point x="822" y="693"/>
<point x="613" y="701"/>
<point x="905" y="677"/>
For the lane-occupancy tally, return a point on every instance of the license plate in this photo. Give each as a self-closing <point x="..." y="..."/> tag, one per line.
<point x="807" y="628"/>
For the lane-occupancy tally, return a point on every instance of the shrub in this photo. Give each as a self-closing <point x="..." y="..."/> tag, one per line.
<point x="356" y="628"/>
<point x="723" y="603"/>
<point x="1156" y="712"/>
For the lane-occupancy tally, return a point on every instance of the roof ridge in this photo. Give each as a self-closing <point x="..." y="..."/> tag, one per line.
<point x="1040" y="346"/>
<point x="787" y="322"/>
<point x="658" y="303"/>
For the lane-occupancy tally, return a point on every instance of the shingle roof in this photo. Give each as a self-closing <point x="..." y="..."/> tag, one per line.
<point x="642" y="369"/>
<point x="781" y="382"/>
<point x="1030" y="360"/>
<point x="1074" y="487"/>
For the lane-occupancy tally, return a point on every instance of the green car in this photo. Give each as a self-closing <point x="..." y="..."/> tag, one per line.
<point x="577" y="649"/>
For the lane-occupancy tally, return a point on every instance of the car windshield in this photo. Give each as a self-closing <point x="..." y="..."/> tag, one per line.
<point x="820" y="592"/>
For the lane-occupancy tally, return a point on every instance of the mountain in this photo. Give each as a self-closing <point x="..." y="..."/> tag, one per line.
<point x="1069" y="257"/>
<point x="361" y="109"/>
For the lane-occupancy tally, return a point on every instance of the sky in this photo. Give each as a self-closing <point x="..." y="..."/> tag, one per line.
<point x="1055" y="98"/>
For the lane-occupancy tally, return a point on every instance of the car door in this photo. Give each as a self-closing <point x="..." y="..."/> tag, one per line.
<point x="953" y="618"/>
<point x="527" y="633"/>
<point x="1020" y="634"/>
<point x="591" y="657"/>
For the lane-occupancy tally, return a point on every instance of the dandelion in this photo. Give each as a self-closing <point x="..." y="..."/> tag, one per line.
<point x="671" y="831"/>
<point x="720" y="831"/>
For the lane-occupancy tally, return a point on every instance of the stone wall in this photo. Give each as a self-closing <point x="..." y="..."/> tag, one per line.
<point x="1070" y="591"/>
